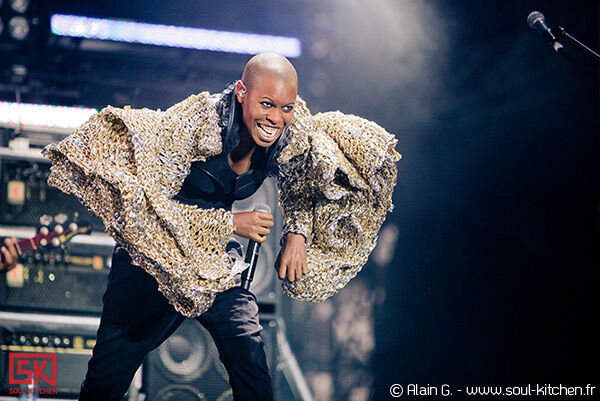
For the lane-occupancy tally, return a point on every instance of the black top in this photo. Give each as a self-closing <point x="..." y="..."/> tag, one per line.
<point x="214" y="183"/>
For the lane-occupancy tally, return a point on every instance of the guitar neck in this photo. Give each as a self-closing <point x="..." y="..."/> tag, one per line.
<point x="29" y="244"/>
<point x="40" y="240"/>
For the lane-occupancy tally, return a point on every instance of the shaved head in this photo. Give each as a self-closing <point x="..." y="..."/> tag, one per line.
<point x="272" y="64"/>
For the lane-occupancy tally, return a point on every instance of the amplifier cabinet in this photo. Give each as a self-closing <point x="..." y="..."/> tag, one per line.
<point x="25" y="195"/>
<point x="69" y="339"/>
<point x="72" y="281"/>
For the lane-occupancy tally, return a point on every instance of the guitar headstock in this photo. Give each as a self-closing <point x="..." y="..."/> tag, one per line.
<point x="52" y="233"/>
<point x="57" y="233"/>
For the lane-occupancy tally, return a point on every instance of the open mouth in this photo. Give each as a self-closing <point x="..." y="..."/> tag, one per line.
<point x="267" y="132"/>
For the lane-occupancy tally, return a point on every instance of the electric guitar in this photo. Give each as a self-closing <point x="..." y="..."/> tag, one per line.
<point x="47" y="238"/>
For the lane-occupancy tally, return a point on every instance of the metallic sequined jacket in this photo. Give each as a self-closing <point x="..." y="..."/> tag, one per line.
<point x="336" y="174"/>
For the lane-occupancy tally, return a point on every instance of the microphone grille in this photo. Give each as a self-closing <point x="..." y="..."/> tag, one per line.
<point x="534" y="17"/>
<point x="262" y="208"/>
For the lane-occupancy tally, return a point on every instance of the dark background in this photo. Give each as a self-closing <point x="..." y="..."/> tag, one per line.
<point x="494" y="273"/>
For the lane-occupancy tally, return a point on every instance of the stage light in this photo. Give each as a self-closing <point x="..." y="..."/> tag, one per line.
<point x="43" y="116"/>
<point x="18" y="27"/>
<point x="19" y="6"/>
<point x="173" y="36"/>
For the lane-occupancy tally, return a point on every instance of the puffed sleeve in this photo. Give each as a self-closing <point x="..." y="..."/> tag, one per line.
<point x="336" y="178"/>
<point x="125" y="165"/>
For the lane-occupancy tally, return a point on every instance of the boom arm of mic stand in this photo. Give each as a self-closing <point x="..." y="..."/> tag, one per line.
<point x="561" y="33"/>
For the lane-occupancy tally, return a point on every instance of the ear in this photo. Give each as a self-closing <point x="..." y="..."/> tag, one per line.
<point x="240" y="91"/>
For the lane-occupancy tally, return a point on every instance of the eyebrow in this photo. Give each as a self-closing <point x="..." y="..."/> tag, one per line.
<point x="273" y="101"/>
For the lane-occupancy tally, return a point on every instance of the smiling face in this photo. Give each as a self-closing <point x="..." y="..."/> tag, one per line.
<point x="268" y="106"/>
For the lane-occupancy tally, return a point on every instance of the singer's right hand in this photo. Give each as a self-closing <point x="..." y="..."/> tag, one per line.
<point x="9" y="258"/>
<point x="253" y="225"/>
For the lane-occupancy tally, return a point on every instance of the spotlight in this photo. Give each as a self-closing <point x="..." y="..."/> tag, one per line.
<point x="172" y="36"/>
<point x="19" y="6"/>
<point x="18" y="27"/>
<point x="42" y="115"/>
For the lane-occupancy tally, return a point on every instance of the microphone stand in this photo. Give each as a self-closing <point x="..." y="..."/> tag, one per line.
<point x="561" y="33"/>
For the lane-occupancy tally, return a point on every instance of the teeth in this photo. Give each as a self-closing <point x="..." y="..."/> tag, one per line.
<point x="269" y="131"/>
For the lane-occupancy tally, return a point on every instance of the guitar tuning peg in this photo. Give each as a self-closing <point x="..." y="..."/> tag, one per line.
<point x="61" y="218"/>
<point x="46" y="220"/>
<point x="73" y="226"/>
<point x="43" y="230"/>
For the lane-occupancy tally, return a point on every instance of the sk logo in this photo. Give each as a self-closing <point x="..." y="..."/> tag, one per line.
<point x="31" y="367"/>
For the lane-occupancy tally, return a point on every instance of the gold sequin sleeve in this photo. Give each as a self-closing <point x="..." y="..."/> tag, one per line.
<point x="295" y="186"/>
<point x="125" y="165"/>
<point x="336" y="180"/>
<point x="295" y="196"/>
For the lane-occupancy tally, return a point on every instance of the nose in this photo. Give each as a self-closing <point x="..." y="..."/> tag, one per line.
<point x="274" y="117"/>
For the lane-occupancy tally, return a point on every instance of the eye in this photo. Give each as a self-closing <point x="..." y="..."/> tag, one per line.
<point x="266" y="105"/>
<point x="287" y="109"/>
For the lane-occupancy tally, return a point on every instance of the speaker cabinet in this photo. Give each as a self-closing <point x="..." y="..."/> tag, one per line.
<point x="186" y="367"/>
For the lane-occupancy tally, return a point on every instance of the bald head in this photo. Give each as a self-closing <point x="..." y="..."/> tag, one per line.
<point x="272" y="64"/>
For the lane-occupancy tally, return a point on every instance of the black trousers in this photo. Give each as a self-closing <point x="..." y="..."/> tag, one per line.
<point x="136" y="318"/>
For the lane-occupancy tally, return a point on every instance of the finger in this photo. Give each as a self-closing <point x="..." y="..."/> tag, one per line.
<point x="304" y="267"/>
<point x="282" y="271"/>
<point x="7" y="256"/>
<point x="263" y="231"/>
<point x="266" y="216"/>
<point x="13" y="248"/>
<point x="299" y="271"/>
<point x="259" y="238"/>
<point x="291" y="274"/>
<point x="268" y="222"/>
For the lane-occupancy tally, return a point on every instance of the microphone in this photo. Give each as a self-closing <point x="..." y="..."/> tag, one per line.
<point x="537" y="21"/>
<point x="252" y="254"/>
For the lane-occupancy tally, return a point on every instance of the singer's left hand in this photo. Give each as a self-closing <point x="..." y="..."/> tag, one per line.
<point x="291" y="261"/>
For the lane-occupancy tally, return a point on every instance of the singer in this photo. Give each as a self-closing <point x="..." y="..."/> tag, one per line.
<point x="164" y="184"/>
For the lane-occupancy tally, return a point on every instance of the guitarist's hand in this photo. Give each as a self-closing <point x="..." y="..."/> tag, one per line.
<point x="8" y="261"/>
